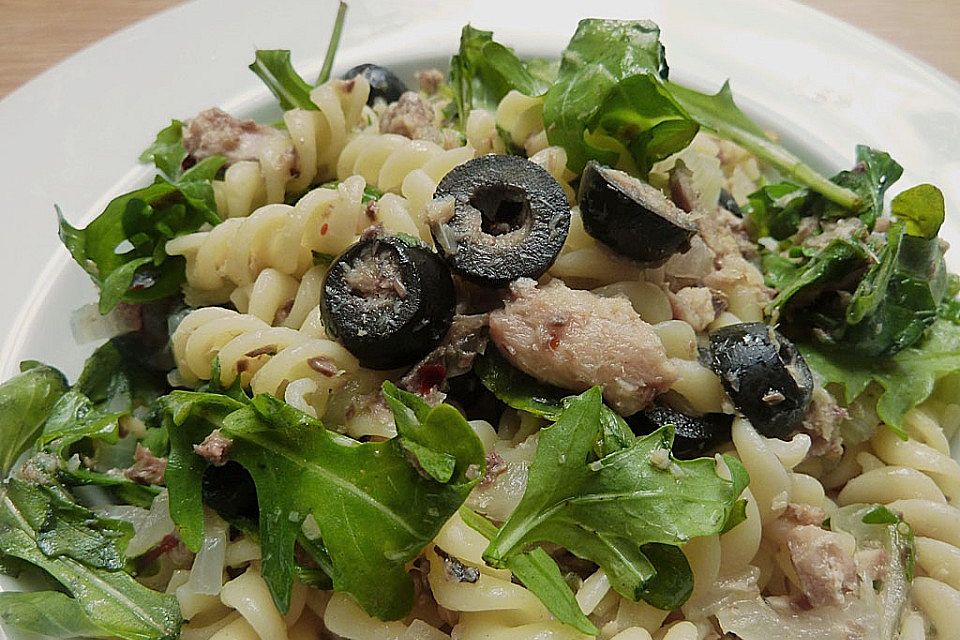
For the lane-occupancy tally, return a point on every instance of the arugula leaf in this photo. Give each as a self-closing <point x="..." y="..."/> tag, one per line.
<point x="515" y="388"/>
<point x="907" y="378"/>
<point x="75" y="418"/>
<point x="544" y="70"/>
<point x="333" y="44"/>
<point x="609" y="509"/>
<point x="603" y="55"/>
<point x="189" y="417"/>
<point x="300" y="468"/>
<point x="167" y="152"/>
<point x="119" y="377"/>
<point x="775" y="210"/>
<point x="778" y="271"/>
<point x="478" y="523"/>
<point x="950" y="309"/>
<point x="641" y="114"/>
<point x="525" y="393"/>
<point x="720" y="114"/>
<point x="50" y="614"/>
<point x="824" y="271"/>
<point x="874" y="173"/>
<point x="540" y="574"/>
<point x="273" y="66"/>
<point x="899" y="296"/>
<point x="921" y="209"/>
<point x="26" y="400"/>
<point x="41" y="526"/>
<point x="672" y="583"/>
<point x="483" y="72"/>
<point x="122" y="249"/>
<point x="424" y="445"/>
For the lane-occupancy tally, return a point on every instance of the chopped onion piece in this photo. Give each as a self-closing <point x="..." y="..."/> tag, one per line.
<point x="206" y="575"/>
<point x="88" y="325"/>
<point x="297" y="392"/>
<point x="154" y="527"/>
<point x="128" y="513"/>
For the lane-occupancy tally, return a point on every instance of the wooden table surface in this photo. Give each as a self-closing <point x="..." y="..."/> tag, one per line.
<point x="36" y="34"/>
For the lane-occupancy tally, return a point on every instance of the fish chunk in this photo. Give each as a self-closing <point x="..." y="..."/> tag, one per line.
<point x="576" y="339"/>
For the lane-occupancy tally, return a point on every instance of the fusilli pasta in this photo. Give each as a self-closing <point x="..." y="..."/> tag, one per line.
<point x="317" y="138"/>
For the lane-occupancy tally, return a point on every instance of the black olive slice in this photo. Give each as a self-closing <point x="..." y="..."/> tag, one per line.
<point x="694" y="435"/>
<point x="471" y="396"/>
<point x="389" y="303"/>
<point x="383" y="82"/>
<point x="229" y="489"/>
<point x="727" y="202"/>
<point x="631" y="217"/>
<point x="500" y="218"/>
<point x="764" y="375"/>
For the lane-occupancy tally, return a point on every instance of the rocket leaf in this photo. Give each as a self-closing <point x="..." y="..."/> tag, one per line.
<point x="42" y="526"/>
<point x="609" y="509"/>
<point x="375" y="510"/>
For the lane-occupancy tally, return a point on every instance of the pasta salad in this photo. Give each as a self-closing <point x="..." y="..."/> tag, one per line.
<point x="533" y="349"/>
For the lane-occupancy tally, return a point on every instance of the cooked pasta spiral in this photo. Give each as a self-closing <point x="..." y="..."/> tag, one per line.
<point x="391" y="162"/>
<point x="303" y="367"/>
<point x="919" y="479"/>
<point x="520" y="117"/>
<point x="317" y="138"/>
<point x="279" y="237"/>
<point x="280" y="299"/>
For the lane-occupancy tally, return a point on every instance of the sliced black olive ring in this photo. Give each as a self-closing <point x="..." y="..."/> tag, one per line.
<point x="383" y="82"/>
<point x="694" y="436"/>
<point x="764" y="375"/>
<point x="631" y="217"/>
<point x="389" y="303"/>
<point x="500" y="218"/>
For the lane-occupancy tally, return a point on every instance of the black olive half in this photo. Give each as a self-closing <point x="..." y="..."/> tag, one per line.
<point x="383" y="82"/>
<point x="631" y="217"/>
<point x="694" y="435"/>
<point x="470" y="395"/>
<point x="506" y="218"/>
<point x="728" y="203"/>
<point x="389" y="303"/>
<point x="764" y="375"/>
<point x="230" y="490"/>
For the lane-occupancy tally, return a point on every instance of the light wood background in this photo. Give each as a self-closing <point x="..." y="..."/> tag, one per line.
<point x="36" y="34"/>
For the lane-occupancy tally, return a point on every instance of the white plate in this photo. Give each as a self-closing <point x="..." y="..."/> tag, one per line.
<point x="72" y="135"/>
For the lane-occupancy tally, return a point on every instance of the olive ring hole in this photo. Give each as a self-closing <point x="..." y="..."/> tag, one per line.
<point x="502" y="209"/>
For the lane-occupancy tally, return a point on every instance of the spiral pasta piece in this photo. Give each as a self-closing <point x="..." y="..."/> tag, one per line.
<point x="391" y="162"/>
<point x="316" y="137"/>
<point x="918" y="479"/>
<point x="266" y="359"/>
<point x="520" y="117"/>
<point x="280" y="237"/>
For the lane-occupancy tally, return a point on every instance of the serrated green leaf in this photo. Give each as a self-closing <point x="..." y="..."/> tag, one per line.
<point x="26" y="400"/>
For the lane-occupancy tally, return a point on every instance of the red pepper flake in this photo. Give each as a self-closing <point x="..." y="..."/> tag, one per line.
<point x="168" y="544"/>
<point x="430" y="377"/>
<point x="554" y="343"/>
<point x="324" y="229"/>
